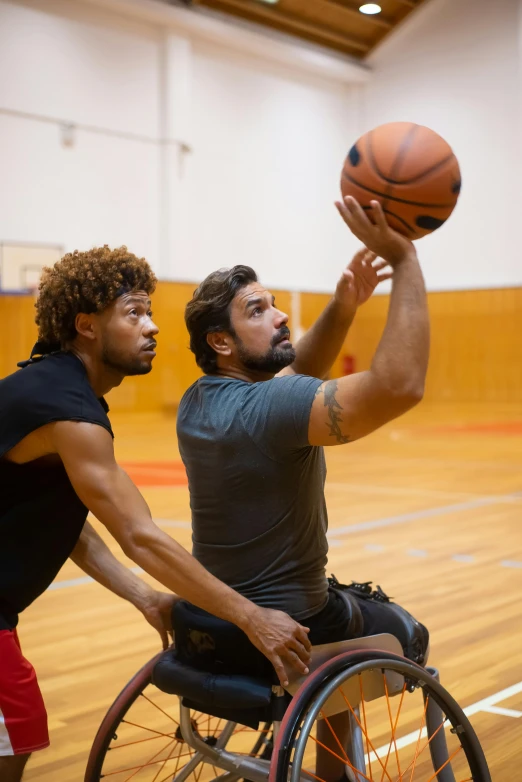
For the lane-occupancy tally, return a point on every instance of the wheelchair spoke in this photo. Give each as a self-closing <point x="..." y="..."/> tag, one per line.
<point x="459" y="749"/>
<point x="365" y="730"/>
<point x="358" y="721"/>
<point x="400" y="778"/>
<point x="393" y="725"/>
<point x="140" y="741"/>
<point x="160" y="709"/>
<point x="153" y="761"/>
<point x="188" y="768"/>
<point x="172" y="774"/>
<point x="150" y="730"/>
<point x="422" y="723"/>
<point x="164" y="763"/>
<point x="421" y="729"/>
<point x="135" y="769"/>
<point x="344" y="760"/>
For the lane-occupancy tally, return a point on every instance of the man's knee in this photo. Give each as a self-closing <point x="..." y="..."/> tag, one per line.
<point x="12" y="767"/>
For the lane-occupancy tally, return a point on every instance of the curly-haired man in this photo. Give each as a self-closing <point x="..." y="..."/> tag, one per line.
<point x="57" y="463"/>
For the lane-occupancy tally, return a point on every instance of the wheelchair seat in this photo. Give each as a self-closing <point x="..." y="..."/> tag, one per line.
<point x="229" y="691"/>
<point x="201" y="669"/>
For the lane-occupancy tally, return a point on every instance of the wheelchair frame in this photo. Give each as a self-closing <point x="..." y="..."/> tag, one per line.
<point x="238" y="766"/>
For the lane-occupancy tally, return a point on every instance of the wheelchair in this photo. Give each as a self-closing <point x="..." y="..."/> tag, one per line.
<point x="180" y="722"/>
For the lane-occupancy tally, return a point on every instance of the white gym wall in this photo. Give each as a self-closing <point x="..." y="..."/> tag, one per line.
<point x="201" y="144"/>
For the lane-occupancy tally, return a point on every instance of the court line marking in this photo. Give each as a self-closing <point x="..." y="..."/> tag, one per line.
<point x="379" y="488"/>
<point x="466" y="558"/>
<point x="443" y="510"/>
<point x="511" y="563"/>
<point x="463" y="558"/>
<point x="380" y="458"/>
<point x="375" y="488"/>
<point x="484" y="705"/>
<point x="502" y="711"/>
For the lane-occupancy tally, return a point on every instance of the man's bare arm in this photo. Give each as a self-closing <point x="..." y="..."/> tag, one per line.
<point x="353" y="406"/>
<point x="88" y="456"/>
<point x="318" y="349"/>
<point x="94" y="557"/>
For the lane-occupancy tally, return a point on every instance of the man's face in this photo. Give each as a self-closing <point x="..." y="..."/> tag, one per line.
<point x="128" y="334"/>
<point x="260" y="331"/>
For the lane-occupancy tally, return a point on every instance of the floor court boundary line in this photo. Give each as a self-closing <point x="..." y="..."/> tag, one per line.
<point x="397" y="491"/>
<point x="427" y="513"/>
<point x="487" y="705"/>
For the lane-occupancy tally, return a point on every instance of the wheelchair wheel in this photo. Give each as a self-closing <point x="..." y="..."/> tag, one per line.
<point x="404" y="726"/>
<point x="140" y="738"/>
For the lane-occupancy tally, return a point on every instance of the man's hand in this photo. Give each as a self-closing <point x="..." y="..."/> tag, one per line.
<point x="157" y="610"/>
<point x="359" y="279"/>
<point x="375" y="233"/>
<point x="281" y="639"/>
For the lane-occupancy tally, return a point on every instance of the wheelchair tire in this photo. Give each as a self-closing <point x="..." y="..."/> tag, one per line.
<point x="296" y="726"/>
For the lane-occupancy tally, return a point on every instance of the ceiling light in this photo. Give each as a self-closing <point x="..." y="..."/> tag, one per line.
<point x="370" y="8"/>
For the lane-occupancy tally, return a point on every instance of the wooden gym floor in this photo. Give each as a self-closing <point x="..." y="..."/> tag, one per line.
<point x="429" y="508"/>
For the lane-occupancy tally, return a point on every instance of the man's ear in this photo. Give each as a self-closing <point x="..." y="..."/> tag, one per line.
<point x="85" y="325"/>
<point x="221" y="342"/>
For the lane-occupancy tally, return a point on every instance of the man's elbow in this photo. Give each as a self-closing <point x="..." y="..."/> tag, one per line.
<point x="136" y="543"/>
<point x="409" y="395"/>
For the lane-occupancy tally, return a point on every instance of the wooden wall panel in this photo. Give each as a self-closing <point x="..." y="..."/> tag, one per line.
<point x="174" y="368"/>
<point x="18" y="331"/>
<point x="476" y="344"/>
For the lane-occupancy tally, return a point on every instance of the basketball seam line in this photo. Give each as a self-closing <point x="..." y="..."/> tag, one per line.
<point x="402" y="151"/>
<point x="403" y="148"/>
<point x="395" y="198"/>
<point x="420" y="177"/>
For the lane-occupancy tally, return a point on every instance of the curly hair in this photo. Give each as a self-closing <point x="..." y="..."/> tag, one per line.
<point x="209" y="311"/>
<point x="86" y="282"/>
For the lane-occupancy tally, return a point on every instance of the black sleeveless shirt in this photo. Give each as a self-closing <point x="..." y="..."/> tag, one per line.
<point x="41" y="516"/>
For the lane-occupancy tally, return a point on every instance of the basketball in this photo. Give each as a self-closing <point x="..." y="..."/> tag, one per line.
<point x="410" y="170"/>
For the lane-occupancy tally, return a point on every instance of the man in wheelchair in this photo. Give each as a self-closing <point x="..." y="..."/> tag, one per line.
<point x="251" y="435"/>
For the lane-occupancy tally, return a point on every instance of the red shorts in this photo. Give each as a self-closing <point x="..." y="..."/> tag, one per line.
<point x="23" y="719"/>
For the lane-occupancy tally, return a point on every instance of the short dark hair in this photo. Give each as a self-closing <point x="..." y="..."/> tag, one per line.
<point x="209" y="310"/>
<point x="86" y="282"/>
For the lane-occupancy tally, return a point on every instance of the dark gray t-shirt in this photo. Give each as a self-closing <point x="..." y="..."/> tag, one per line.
<point x="257" y="489"/>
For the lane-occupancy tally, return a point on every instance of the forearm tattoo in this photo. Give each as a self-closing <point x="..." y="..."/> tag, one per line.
<point x="334" y="411"/>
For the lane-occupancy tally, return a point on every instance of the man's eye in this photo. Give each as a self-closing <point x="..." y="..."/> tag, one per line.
<point x="133" y="312"/>
<point x="150" y="314"/>
<point x="256" y="311"/>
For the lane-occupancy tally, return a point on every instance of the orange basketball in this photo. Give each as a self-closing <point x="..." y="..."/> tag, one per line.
<point x="411" y="170"/>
